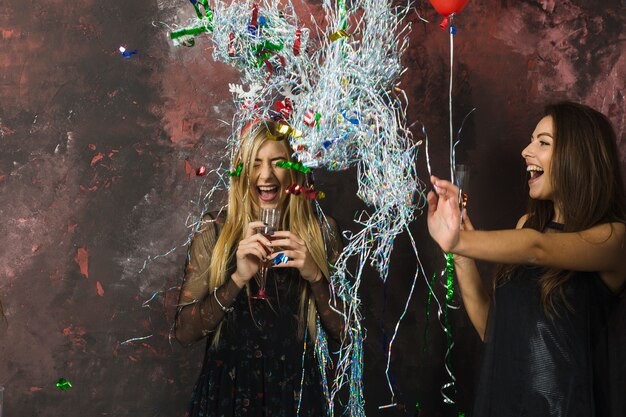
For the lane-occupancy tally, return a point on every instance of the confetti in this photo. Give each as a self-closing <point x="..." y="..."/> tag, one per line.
<point x="354" y="79"/>
<point x="308" y="192"/>
<point x="236" y="172"/>
<point x="201" y="171"/>
<point x="63" y="384"/>
<point x="296" y="43"/>
<point x="281" y="258"/>
<point x="338" y="35"/>
<point x="126" y="53"/>
<point x="296" y="166"/>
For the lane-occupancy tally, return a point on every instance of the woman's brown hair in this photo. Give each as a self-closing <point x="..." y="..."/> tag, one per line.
<point x="587" y="183"/>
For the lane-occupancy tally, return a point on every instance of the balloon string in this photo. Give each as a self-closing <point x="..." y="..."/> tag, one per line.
<point x="395" y="332"/>
<point x="428" y="300"/>
<point x="452" y="162"/>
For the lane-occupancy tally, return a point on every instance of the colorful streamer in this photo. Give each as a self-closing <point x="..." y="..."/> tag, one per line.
<point x="354" y="80"/>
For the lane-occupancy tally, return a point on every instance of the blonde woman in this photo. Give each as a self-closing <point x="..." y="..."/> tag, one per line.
<point x="259" y="359"/>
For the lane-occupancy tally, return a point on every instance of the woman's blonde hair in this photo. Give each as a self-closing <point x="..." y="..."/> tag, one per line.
<point x="298" y="217"/>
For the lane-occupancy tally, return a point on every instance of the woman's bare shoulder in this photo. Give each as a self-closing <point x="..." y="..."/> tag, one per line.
<point x="522" y="221"/>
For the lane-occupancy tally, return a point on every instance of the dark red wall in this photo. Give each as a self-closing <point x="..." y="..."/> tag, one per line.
<point x="95" y="158"/>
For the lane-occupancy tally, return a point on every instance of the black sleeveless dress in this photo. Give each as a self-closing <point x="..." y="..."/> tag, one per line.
<point x="535" y="365"/>
<point x="257" y="368"/>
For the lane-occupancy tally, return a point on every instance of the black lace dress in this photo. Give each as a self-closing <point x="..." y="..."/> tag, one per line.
<point x="537" y="366"/>
<point x="263" y="365"/>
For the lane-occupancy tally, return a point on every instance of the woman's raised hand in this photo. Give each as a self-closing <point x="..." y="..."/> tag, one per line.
<point x="444" y="215"/>
<point x="298" y="253"/>
<point x="252" y="250"/>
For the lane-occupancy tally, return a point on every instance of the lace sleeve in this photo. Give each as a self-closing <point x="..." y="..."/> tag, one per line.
<point x="200" y="308"/>
<point x="327" y="307"/>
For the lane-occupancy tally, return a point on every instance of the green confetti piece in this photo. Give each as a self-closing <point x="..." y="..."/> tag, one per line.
<point x="207" y="10"/>
<point x="189" y="31"/>
<point x="318" y="117"/>
<point x="63" y="384"/>
<point x="268" y="46"/>
<point x="296" y="166"/>
<point x="450" y="276"/>
<point x="262" y="58"/>
<point x="236" y="172"/>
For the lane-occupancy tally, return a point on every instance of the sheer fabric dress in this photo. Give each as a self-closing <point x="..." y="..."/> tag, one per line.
<point x="263" y="364"/>
<point x="535" y="365"/>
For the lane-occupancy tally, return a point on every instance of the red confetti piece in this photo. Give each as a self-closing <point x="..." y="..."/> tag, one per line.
<point x="231" y="45"/>
<point x="201" y="172"/>
<point x="296" y="43"/>
<point x="270" y="68"/>
<point x="82" y="259"/>
<point x="308" y="193"/>
<point x="285" y="108"/>
<point x="309" y="118"/>
<point x="96" y="159"/>
<point x="189" y="169"/>
<point x="314" y="195"/>
<point x="444" y="23"/>
<point x="294" y="189"/>
<point x="99" y="288"/>
<point x="255" y="15"/>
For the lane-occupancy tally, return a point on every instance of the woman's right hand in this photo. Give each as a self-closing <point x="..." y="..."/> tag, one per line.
<point x="444" y="216"/>
<point x="253" y="249"/>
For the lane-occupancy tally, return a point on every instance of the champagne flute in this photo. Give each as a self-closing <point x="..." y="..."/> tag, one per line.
<point x="271" y="223"/>
<point x="462" y="176"/>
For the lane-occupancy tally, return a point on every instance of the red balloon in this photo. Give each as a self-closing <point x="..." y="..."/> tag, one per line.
<point x="447" y="7"/>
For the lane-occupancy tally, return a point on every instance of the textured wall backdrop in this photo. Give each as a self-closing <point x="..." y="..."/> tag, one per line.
<point x="96" y="160"/>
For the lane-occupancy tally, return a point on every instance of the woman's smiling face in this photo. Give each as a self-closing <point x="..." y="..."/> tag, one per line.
<point x="268" y="183"/>
<point x="538" y="157"/>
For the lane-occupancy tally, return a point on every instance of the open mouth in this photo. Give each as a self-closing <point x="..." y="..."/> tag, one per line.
<point x="267" y="193"/>
<point x="534" y="171"/>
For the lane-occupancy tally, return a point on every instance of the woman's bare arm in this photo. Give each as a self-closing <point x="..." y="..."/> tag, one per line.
<point x="600" y="248"/>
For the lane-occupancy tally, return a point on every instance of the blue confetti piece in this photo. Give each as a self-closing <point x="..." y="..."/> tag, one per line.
<point x="126" y="53"/>
<point x="252" y="30"/>
<point x="354" y="120"/>
<point x="281" y="258"/>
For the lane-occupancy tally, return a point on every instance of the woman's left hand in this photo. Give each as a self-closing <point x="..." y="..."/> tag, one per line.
<point x="298" y="253"/>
